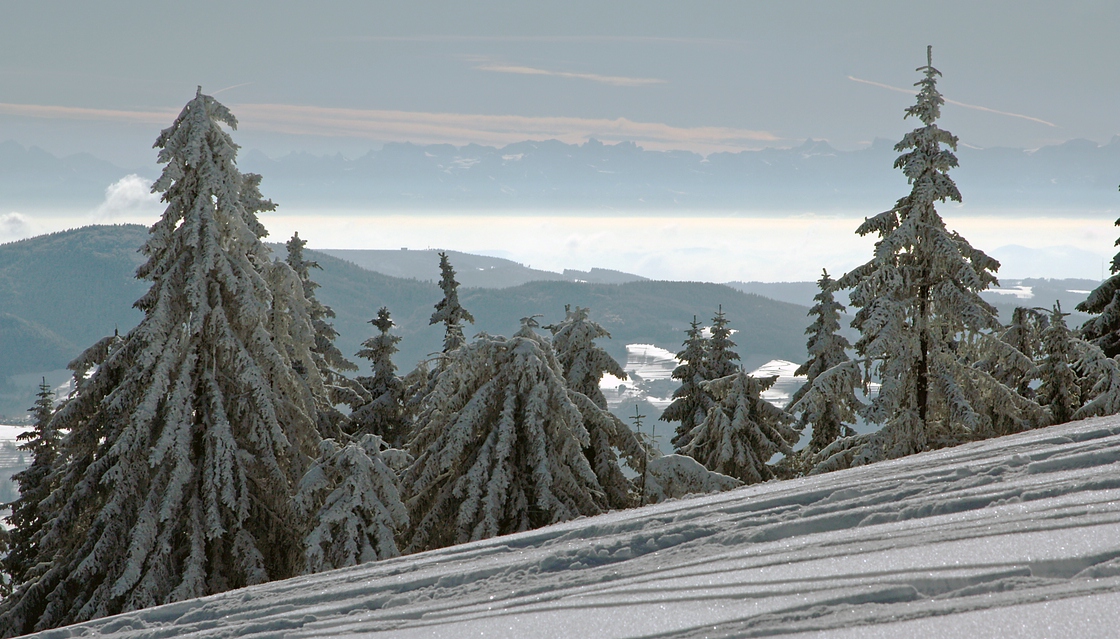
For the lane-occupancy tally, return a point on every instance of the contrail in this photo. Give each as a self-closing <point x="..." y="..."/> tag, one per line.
<point x="243" y="84"/>
<point x="954" y="102"/>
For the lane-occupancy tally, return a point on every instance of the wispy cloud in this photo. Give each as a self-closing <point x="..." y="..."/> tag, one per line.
<point x="543" y="39"/>
<point x="443" y="128"/>
<point x="614" y="80"/>
<point x="496" y="130"/>
<point x="156" y="116"/>
<point x="954" y="102"/>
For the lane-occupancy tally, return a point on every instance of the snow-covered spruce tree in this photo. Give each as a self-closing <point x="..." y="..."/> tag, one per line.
<point x="1104" y="302"/>
<point x="1011" y="356"/>
<point x="719" y="357"/>
<point x="498" y="446"/>
<point x="385" y="414"/>
<point x="1100" y="378"/>
<point x="690" y="401"/>
<point x="352" y="500"/>
<point x="827" y="412"/>
<point x="742" y="431"/>
<point x="448" y="309"/>
<point x="919" y="300"/>
<point x="185" y="442"/>
<point x="1015" y="363"/>
<point x="28" y="516"/>
<point x="584" y="364"/>
<point x="1059" y="391"/>
<point x="329" y="360"/>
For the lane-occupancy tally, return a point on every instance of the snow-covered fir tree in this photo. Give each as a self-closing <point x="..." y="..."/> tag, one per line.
<point x="720" y="357"/>
<point x="35" y="484"/>
<point x="1016" y="366"/>
<point x="352" y="500"/>
<point x="919" y="301"/>
<point x="185" y="441"/>
<point x="584" y="364"/>
<point x="1100" y="380"/>
<point x="385" y="414"/>
<point x="329" y="360"/>
<point x="498" y="446"/>
<point x="1104" y="302"/>
<point x="690" y="400"/>
<point x="448" y="309"/>
<point x="742" y="431"/>
<point x="584" y="361"/>
<point x="1059" y="390"/>
<point x="830" y="409"/>
<point x="1012" y="357"/>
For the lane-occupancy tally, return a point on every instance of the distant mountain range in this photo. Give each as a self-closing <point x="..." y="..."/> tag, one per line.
<point x="479" y="271"/>
<point x="59" y="293"/>
<point x="552" y="175"/>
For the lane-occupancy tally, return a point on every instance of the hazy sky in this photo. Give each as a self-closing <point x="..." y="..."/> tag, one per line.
<point x="345" y="76"/>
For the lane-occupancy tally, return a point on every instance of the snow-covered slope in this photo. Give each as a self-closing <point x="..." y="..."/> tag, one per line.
<point x="1018" y="536"/>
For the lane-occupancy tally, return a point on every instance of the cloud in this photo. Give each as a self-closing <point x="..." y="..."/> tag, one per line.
<point x="954" y="102"/>
<point x="14" y="226"/>
<point x="129" y="199"/>
<point x="618" y="81"/>
<point x="160" y="116"/>
<point x="494" y="130"/>
<point x="554" y="39"/>
<point x="437" y="128"/>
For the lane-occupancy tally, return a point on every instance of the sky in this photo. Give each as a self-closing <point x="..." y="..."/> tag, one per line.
<point x="348" y="76"/>
<point x="702" y="75"/>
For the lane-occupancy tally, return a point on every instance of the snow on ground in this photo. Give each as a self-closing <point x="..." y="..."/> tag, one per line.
<point x="644" y="363"/>
<point x="9" y="433"/>
<point x="1017" y="536"/>
<point x="786" y="384"/>
<point x="1018" y="292"/>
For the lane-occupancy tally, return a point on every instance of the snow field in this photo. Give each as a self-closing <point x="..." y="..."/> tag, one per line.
<point x="1017" y="536"/>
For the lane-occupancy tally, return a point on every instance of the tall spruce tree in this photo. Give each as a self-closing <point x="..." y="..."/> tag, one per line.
<point x="35" y="485"/>
<point x="448" y="309"/>
<point x="827" y="412"/>
<point x="919" y="301"/>
<point x="329" y="360"/>
<point x="690" y="400"/>
<point x="1059" y="391"/>
<point x="742" y="431"/>
<point x="584" y="364"/>
<point x="498" y="446"/>
<point x="186" y="440"/>
<point x="385" y="414"/>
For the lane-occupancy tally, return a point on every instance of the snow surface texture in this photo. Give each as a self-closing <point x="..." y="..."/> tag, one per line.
<point x="1017" y="536"/>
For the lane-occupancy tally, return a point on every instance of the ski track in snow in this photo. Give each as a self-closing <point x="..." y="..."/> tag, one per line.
<point x="1017" y="536"/>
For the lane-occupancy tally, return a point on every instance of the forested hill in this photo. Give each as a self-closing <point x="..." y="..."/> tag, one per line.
<point x="61" y="292"/>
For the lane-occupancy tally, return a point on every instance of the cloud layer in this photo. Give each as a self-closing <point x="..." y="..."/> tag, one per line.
<point x="440" y="128"/>
<point x="613" y="80"/>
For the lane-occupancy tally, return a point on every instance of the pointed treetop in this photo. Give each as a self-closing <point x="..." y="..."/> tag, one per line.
<point x="928" y="107"/>
<point x="529" y="323"/>
<point x="383" y="321"/>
